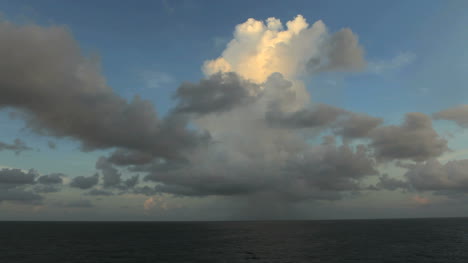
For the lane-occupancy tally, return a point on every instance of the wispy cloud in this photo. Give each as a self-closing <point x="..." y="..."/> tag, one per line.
<point x="399" y="61"/>
<point x="167" y="7"/>
<point x="156" y="79"/>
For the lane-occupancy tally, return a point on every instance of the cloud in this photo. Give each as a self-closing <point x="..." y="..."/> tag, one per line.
<point x="321" y="115"/>
<point x="17" y="146"/>
<point x="390" y="183"/>
<point x="19" y="195"/>
<point x="126" y="157"/>
<point x="320" y="172"/>
<point x="247" y="131"/>
<point x="52" y="145"/>
<point x="167" y="7"/>
<point x="84" y="182"/>
<point x="110" y="175"/>
<point x="24" y="186"/>
<point x="219" y="92"/>
<point x="61" y="93"/>
<point x="17" y="176"/>
<point x="457" y="114"/>
<point x="47" y="188"/>
<point x="51" y="178"/>
<point x="259" y="49"/>
<point x="434" y="176"/>
<point x="156" y="79"/>
<point x="449" y="179"/>
<point x="252" y="104"/>
<point x="398" y="62"/>
<point x="343" y="53"/>
<point x="357" y="126"/>
<point x="415" y="139"/>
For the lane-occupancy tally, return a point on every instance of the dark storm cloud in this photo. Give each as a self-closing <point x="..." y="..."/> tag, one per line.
<point x="17" y="176"/>
<point x="51" y="178"/>
<point x="457" y="114"/>
<point x="320" y="173"/>
<point x="84" y="182"/>
<point x="17" y="146"/>
<point x="415" y="140"/>
<point x="218" y="93"/>
<point x="62" y="93"/>
<point x="192" y="181"/>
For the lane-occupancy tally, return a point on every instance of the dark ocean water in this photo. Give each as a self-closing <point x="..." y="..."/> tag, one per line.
<point x="410" y="240"/>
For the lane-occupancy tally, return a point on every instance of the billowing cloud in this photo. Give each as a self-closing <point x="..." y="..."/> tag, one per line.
<point x="415" y="139"/>
<point x="457" y="114"/>
<point x="84" y="182"/>
<point x="17" y="146"/>
<point x="259" y="49"/>
<point x="61" y="92"/>
<point x="260" y="105"/>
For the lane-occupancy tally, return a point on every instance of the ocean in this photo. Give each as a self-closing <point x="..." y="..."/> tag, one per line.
<point x="396" y="240"/>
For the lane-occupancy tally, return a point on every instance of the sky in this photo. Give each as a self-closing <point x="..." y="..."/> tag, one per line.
<point x="233" y="110"/>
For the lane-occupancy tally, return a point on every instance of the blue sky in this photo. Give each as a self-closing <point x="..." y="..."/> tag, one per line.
<point x="415" y="53"/>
